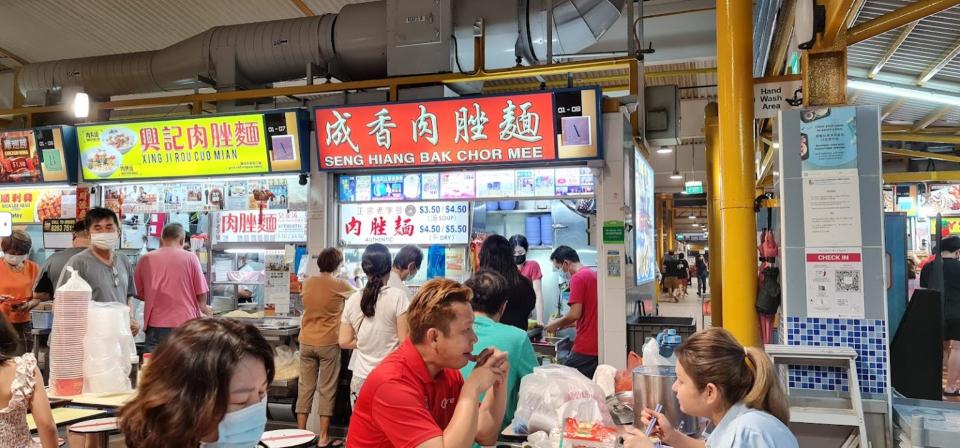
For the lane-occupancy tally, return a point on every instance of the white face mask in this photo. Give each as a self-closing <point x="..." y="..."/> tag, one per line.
<point x="104" y="241"/>
<point x="14" y="260"/>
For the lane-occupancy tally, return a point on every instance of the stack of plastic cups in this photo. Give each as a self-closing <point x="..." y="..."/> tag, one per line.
<point x="532" y="228"/>
<point x="66" y="340"/>
<point x="546" y="229"/>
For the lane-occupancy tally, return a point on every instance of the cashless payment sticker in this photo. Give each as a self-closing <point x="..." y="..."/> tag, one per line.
<point x="6" y="224"/>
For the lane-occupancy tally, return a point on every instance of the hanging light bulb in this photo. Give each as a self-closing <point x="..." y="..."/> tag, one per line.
<point x="676" y="171"/>
<point x="81" y="105"/>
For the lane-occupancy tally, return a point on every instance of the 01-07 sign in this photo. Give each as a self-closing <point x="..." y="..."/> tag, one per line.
<point x="497" y="129"/>
<point x="420" y="223"/>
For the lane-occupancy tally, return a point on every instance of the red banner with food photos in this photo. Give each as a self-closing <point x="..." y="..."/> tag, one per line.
<point x="462" y="131"/>
<point x="19" y="162"/>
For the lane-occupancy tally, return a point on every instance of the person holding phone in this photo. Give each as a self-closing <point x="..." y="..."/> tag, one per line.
<point x="17" y="275"/>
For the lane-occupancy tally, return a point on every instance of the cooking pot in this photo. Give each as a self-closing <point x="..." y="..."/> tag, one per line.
<point x="654" y="385"/>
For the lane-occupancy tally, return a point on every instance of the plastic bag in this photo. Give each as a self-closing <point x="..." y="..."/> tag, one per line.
<point x="652" y="356"/>
<point x="553" y="393"/>
<point x="287" y="363"/>
<point x="107" y="349"/>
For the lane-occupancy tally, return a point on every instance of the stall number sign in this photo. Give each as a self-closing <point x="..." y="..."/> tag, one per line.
<point x="420" y="223"/>
<point x="272" y="226"/>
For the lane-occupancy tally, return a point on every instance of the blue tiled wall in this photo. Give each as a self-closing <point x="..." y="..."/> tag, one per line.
<point x="867" y="337"/>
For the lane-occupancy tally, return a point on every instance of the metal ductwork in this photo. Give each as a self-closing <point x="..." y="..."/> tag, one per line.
<point x="351" y="45"/>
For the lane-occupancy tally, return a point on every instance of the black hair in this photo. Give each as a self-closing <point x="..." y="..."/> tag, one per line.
<point x="950" y="244"/>
<point x="9" y="340"/>
<point x="376" y="264"/>
<point x="98" y="214"/>
<point x="565" y="253"/>
<point x="407" y="255"/>
<point x="680" y="255"/>
<point x="79" y="227"/>
<point x="519" y="240"/>
<point x="489" y="291"/>
<point x="496" y="254"/>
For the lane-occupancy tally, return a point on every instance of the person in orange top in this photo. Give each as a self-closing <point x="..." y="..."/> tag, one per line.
<point x="17" y="275"/>
<point x="323" y="298"/>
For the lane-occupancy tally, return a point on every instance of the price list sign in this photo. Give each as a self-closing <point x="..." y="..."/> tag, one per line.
<point x="420" y="223"/>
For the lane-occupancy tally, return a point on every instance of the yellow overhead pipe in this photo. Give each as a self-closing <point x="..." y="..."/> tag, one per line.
<point x="920" y="154"/>
<point x="711" y="131"/>
<point x="736" y="179"/>
<point x="895" y="19"/>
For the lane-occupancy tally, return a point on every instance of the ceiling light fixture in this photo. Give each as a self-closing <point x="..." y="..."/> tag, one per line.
<point x="693" y="216"/>
<point x="81" y="105"/>
<point x="928" y="95"/>
<point x="676" y="172"/>
<point x="664" y="150"/>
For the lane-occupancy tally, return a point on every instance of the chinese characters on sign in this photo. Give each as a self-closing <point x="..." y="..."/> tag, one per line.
<point x="223" y="145"/>
<point x="18" y="157"/>
<point x="518" y="128"/>
<point x="275" y="226"/>
<point x="406" y="223"/>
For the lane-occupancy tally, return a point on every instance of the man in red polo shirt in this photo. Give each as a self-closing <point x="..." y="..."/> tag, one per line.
<point x="416" y="397"/>
<point x="582" y="312"/>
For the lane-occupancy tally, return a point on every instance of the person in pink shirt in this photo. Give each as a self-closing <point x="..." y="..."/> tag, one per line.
<point x="171" y="284"/>
<point x="529" y="269"/>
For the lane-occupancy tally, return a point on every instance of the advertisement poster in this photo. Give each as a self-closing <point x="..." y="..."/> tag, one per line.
<point x="496" y="184"/>
<point x="190" y="147"/>
<point x="834" y="282"/>
<point x="828" y="138"/>
<point x="133" y="232"/>
<point x="422" y="223"/>
<point x="248" y="227"/>
<point x="458" y="185"/>
<point x="364" y="188"/>
<point x="525" y="183"/>
<point x="943" y="200"/>
<point x="58" y="233"/>
<point x="544" y="182"/>
<point x="19" y="162"/>
<point x="643" y="221"/>
<point x="387" y="187"/>
<point x="37" y="204"/>
<point x="574" y="181"/>
<point x="279" y="199"/>
<point x="430" y="185"/>
<point x="831" y="209"/>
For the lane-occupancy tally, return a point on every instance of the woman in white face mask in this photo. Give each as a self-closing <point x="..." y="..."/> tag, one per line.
<point x="17" y="275"/>
<point x="206" y="385"/>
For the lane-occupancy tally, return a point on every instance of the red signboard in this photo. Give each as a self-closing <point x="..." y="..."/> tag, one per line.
<point x="463" y="131"/>
<point x="18" y="157"/>
<point x="833" y="258"/>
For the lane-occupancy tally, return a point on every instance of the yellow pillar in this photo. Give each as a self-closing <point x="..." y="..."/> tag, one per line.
<point x="711" y="131"/>
<point x="736" y="180"/>
<point x="668" y="222"/>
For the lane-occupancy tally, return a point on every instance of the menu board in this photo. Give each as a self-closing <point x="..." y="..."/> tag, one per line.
<point x="32" y="205"/>
<point x="523" y="183"/>
<point x="33" y="156"/>
<point x="284" y="193"/>
<point x="261" y="227"/>
<point x="487" y="130"/>
<point x="643" y="221"/>
<point x="422" y="223"/>
<point x="192" y="147"/>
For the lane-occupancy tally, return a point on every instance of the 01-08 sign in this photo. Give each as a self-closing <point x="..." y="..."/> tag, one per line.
<point x="420" y="223"/>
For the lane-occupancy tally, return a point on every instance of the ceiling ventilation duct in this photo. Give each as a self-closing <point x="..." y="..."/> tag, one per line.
<point x="350" y="45"/>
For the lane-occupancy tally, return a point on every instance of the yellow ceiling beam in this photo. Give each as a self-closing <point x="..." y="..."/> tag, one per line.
<point x="894" y="46"/>
<point x="928" y="130"/>
<point x="836" y="24"/>
<point x="922" y="176"/>
<point x="933" y="116"/>
<point x="922" y="138"/>
<point x="920" y="154"/>
<point x="897" y="18"/>
<point x="892" y="107"/>
<point x="942" y="62"/>
<point x="307" y="12"/>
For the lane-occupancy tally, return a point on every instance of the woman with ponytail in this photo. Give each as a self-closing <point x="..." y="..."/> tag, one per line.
<point x="374" y="318"/>
<point x="736" y="388"/>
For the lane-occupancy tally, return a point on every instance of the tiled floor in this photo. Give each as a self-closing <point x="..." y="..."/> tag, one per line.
<point x="689" y="306"/>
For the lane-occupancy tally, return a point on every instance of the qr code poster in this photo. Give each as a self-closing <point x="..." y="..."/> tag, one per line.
<point x="835" y="282"/>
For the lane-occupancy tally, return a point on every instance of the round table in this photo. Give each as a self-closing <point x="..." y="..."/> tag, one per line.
<point x="99" y="429"/>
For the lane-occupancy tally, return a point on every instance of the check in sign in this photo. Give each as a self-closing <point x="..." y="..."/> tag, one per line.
<point x="421" y="223"/>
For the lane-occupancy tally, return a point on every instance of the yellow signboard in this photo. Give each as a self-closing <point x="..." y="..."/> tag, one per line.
<point x="190" y="147"/>
<point x="30" y="205"/>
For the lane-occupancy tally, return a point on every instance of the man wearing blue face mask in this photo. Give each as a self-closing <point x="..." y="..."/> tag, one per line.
<point x="205" y="386"/>
<point x="108" y="273"/>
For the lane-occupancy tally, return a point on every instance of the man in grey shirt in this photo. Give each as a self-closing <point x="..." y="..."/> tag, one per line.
<point x="109" y="274"/>
<point x="49" y="278"/>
